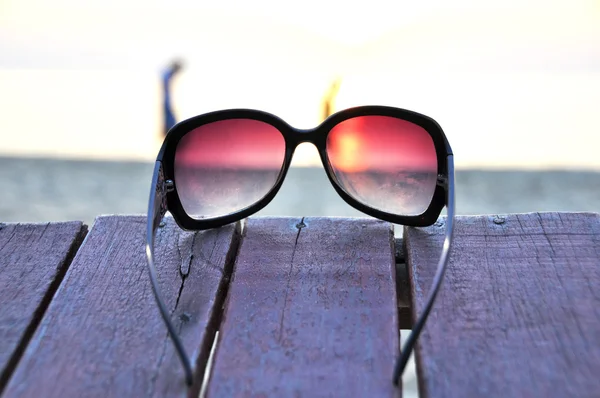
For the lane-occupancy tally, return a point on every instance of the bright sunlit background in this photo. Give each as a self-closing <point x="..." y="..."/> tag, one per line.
<point x="514" y="84"/>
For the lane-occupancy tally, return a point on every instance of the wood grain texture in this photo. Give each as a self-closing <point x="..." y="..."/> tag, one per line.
<point x="102" y="335"/>
<point x="33" y="261"/>
<point x="311" y="311"/>
<point x="519" y="312"/>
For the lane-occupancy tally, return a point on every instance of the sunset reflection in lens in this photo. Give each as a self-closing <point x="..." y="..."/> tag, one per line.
<point x="386" y="163"/>
<point x="226" y="166"/>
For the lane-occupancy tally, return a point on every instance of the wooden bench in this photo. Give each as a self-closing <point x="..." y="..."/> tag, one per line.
<point x="301" y="307"/>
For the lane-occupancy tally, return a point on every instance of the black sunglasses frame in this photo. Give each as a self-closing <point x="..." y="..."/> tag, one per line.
<point x="293" y="137"/>
<point x="163" y="198"/>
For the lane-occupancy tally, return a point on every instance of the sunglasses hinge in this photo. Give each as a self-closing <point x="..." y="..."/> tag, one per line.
<point x="442" y="180"/>
<point x="169" y="185"/>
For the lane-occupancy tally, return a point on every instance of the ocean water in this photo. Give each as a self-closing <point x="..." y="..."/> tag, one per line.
<point x="45" y="189"/>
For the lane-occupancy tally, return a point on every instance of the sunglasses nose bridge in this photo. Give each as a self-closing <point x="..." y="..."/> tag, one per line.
<point x="305" y="135"/>
<point x="304" y="147"/>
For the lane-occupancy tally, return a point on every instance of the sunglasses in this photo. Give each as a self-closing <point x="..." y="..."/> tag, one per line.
<point x="221" y="167"/>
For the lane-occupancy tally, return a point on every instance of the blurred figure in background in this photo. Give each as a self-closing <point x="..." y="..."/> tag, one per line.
<point x="328" y="105"/>
<point x="167" y="76"/>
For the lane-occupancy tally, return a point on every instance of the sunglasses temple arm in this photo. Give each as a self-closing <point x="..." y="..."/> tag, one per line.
<point x="437" y="279"/>
<point x="157" y="208"/>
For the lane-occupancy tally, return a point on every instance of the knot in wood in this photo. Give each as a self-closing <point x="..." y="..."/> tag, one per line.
<point x="185" y="317"/>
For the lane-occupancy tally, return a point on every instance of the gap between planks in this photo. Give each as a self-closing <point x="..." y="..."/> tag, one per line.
<point x="402" y="286"/>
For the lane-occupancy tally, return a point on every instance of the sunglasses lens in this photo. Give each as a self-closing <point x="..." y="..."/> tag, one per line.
<point x="225" y="166"/>
<point x="383" y="162"/>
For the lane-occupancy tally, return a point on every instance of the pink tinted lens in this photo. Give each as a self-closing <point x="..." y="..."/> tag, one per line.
<point x="226" y="166"/>
<point x="386" y="163"/>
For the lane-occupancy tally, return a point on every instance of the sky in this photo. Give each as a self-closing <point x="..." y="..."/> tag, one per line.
<point x="80" y="78"/>
<point x="97" y="34"/>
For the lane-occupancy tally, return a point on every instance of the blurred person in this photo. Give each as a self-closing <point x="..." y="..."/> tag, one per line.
<point x="167" y="75"/>
<point x="328" y="105"/>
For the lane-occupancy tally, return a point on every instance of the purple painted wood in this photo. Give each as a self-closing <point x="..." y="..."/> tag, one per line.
<point x="518" y="314"/>
<point x="311" y="311"/>
<point x="33" y="261"/>
<point x="102" y="335"/>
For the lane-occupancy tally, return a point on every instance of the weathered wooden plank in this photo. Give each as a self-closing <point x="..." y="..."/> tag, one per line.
<point x="33" y="261"/>
<point x="102" y="335"/>
<point x="311" y="311"/>
<point x="519" y="312"/>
